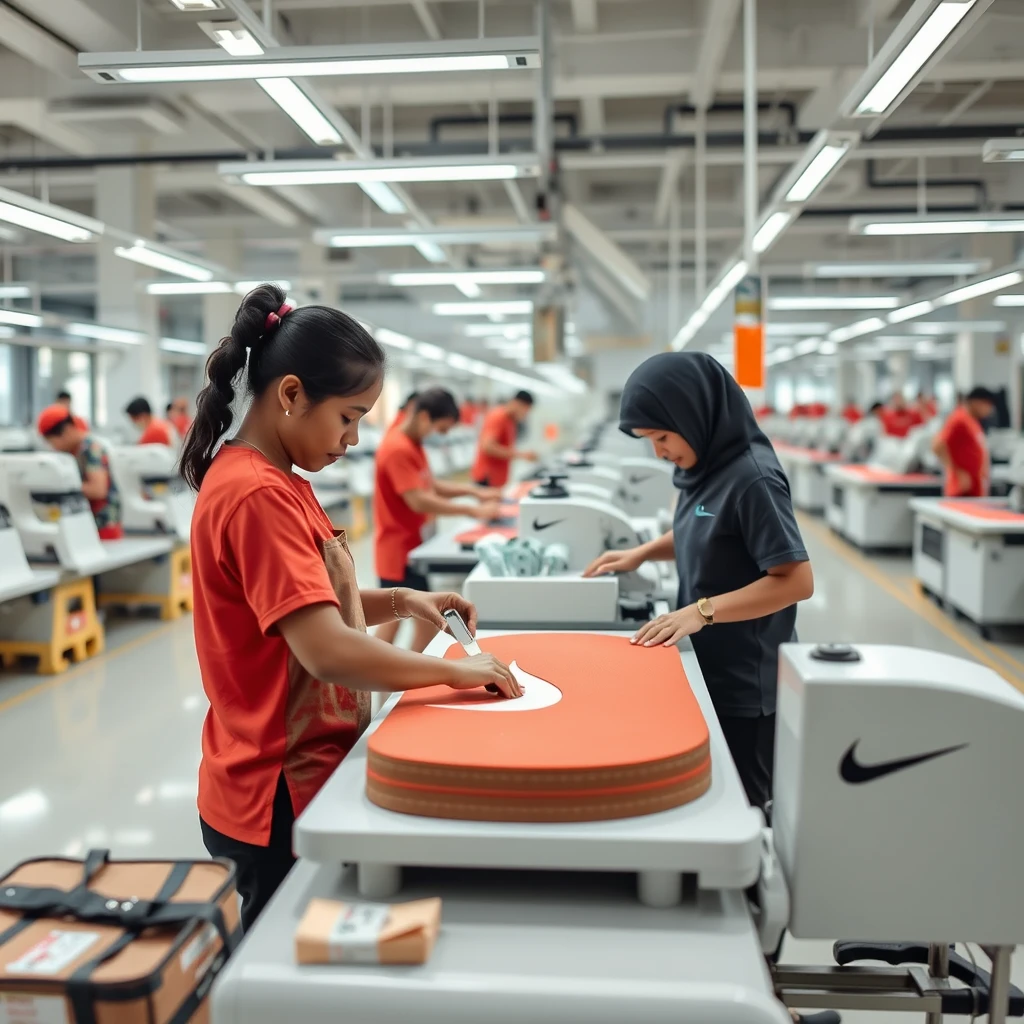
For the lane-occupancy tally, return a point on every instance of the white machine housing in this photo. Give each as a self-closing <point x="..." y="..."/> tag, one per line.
<point x="865" y="752"/>
<point x="153" y="496"/>
<point x="860" y="439"/>
<point x="908" y="454"/>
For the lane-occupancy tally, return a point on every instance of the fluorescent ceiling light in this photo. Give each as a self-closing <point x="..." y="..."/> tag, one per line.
<point x="999" y="150"/>
<point x="394" y="339"/>
<point x="430" y="251"/>
<point x="232" y="38"/>
<point x="979" y="288"/>
<point x="783" y="330"/>
<point x="915" y="53"/>
<point x="314" y="61"/>
<point x="15" y="291"/>
<point x="189" y="288"/>
<point x="938" y="327"/>
<point x="383" y="196"/>
<point x="898" y="268"/>
<point x="183" y="347"/>
<point x="507" y="307"/>
<point x="414" y="278"/>
<point x="427" y="351"/>
<point x="244" y="287"/>
<point x="855" y="330"/>
<point x="792" y="303"/>
<point x="897" y="316"/>
<point x="408" y="169"/>
<point x="302" y="110"/>
<point x="1000" y="300"/>
<point x="965" y="224"/>
<point x="714" y="298"/>
<point x="197" y="5"/>
<point x="344" y="238"/>
<point x="781" y="355"/>
<point x="513" y="330"/>
<point x="817" y="171"/>
<point x="46" y="218"/>
<point x="827" y="348"/>
<point x="805" y="348"/>
<point x="100" y="333"/>
<point x="19" y="319"/>
<point x="141" y="252"/>
<point x="770" y="230"/>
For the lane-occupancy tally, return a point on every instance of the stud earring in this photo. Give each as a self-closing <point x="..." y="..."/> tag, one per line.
<point x="287" y="412"/>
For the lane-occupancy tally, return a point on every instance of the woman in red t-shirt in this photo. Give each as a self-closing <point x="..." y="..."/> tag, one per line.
<point x="961" y="446"/>
<point x="280" y="624"/>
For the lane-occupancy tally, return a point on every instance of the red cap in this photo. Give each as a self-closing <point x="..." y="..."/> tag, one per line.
<point x="50" y="417"/>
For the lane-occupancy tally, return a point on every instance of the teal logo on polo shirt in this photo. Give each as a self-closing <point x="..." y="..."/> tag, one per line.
<point x="700" y="510"/>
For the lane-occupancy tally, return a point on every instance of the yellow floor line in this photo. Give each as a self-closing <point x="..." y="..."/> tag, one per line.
<point x="76" y="670"/>
<point x="919" y="605"/>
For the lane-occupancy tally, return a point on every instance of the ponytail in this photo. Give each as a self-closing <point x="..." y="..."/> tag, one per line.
<point x="330" y="353"/>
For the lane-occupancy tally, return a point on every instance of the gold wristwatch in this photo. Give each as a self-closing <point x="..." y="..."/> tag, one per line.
<point x="706" y="610"/>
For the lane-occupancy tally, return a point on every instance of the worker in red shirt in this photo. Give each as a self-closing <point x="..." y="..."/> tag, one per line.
<point x="178" y="417"/>
<point x="406" y="495"/>
<point x="961" y="446"/>
<point x="405" y="411"/>
<point x="496" y="448"/>
<point x="151" y="430"/>
<point x="280" y="621"/>
<point x="64" y="398"/>
<point x="926" y="407"/>
<point x="851" y="413"/>
<point x="898" y="418"/>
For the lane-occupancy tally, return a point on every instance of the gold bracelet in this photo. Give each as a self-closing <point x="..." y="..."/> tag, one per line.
<point x="394" y="605"/>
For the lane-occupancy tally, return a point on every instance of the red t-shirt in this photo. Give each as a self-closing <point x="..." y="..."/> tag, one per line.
<point x="852" y="414"/>
<point x="255" y="559"/>
<point x="968" y="450"/>
<point x="899" y="422"/>
<point x="181" y="422"/>
<point x="158" y="432"/>
<point x="401" y="467"/>
<point x="499" y="426"/>
<point x="398" y="420"/>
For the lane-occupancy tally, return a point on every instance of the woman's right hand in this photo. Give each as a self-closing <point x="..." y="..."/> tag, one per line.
<point x="615" y="561"/>
<point x="482" y="670"/>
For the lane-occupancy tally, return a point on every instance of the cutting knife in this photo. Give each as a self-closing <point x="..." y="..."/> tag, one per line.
<point x="458" y="628"/>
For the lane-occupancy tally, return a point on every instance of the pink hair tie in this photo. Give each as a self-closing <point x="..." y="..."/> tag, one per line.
<point x="275" y="318"/>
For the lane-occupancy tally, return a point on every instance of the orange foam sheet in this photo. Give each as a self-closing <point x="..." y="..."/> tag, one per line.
<point x="468" y="538"/>
<point x="603" y="730"/>
<point x="981" y="511"/>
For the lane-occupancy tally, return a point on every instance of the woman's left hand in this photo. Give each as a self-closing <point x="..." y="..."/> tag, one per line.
<point x="671" y="628"/>
<point x="429" y="608"/>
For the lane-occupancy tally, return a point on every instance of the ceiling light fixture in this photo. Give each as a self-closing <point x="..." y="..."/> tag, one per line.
<point x="897" y="268"/>
<point x="384" y="197"/>
<point x="18" y="319"/>
<point x="414" y="278"/>
<point x="344" y="238"/>
<point x="1013" y="299"/>
<point x="409" y="169"/>
<point x="775" y="329"/>
<point x="794" y="303"/>
<point x="827" y="348"/>
<point x="512" y="330"/>
<point x="142" y="68"/>
<point x="197" y="5"/>
<point x="979" y="288"/>
<point x="430" y="251"/>
<point x="728" y="280"/>
<point x="507" y="307"/>
<point x="913" y="56"/>
<point x="833" y="147"/>
<point x="232" y="37"/>
<point x="1002" y="150"/>
<point x="394" y="339"/>
<point x="15" y="291"/>
<point x="46" y="218"/>
<point x="302" y="110"/>
<point x="183" y="347"/>
<point x="897" y="316"/>
<point x="142" y="252"/>
<point x="939" y="327"/>
<point x="770" y="230"/>
<point x="938" y="224"/>
<point x="98" y="332"/>
<point x="189" y="288"/>
<point x="855" y="330"/>
<point x="244" y="287"/>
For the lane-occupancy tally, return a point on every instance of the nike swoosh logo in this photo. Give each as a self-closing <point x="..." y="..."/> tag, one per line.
<point x="639" y="479"/>
<point x="700" y="511"/>
<point x="543" y="526"/>
<point x="853" y="771"/>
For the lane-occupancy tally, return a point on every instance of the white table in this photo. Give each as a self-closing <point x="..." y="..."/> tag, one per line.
<point x="870" y="505"/>
<point x="442" y="553"/>
<point x="805" y="468"/>
<point x="969" y="553"/>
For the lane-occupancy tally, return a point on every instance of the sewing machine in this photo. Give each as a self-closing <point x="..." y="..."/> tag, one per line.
<point x="550" y="922"/>
<point x="18" y="439"/>
<point x="154" y="499"/>
<point x="859" y="441"/>
<point x="969" y="552"/>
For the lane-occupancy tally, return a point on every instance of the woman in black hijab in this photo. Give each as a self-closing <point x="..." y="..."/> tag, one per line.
<point x="735" y="541"/>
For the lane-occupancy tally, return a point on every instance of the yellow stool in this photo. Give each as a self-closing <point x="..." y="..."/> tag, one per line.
<point x="164" y="583"/>
<point x="58" y="627"/>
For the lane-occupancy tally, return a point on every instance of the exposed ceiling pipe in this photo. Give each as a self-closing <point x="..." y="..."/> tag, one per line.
<point x="874" y="183"/>
<point x="686" y="109"/>
<point x="437" y="124"/>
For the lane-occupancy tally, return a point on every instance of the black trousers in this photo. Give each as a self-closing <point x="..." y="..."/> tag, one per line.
<point x="261" y="869"/>
<point x="751" y="742"/>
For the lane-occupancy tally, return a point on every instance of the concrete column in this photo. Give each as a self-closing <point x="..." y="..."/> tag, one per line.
<point x="219" y="310"/>
<point x="899" y="370"/>
<point x="845" y="383"/>
<point x="126" y="199"/>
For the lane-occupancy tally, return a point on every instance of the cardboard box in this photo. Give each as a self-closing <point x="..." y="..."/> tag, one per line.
<point x="114" y="942"/>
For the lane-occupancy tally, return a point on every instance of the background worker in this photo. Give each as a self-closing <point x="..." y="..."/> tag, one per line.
<point x="64" y="399"/>
<point x="496" y="448"/>
<point x="63" y="434"/>
<point x="406" y="409"/>
<point x="406" y="495"/>
<point x="961" y="446"/>
<point x="151" y="430"/>
<point x="178" y="415"/>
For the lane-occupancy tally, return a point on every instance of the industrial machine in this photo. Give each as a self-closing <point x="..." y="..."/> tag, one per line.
<point x="541" y="921"/>
<point x="154" y="498"/>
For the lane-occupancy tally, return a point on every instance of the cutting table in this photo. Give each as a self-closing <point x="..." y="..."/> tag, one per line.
<point x="805" y="468"/>
<point x="969" y="553"/>
<point x="442" y="553"/>
<point x="540" y="922"/>
<point x="870" y="505"/>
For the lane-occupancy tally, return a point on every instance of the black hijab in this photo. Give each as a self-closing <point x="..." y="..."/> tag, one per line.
<point x="693" y="395"/>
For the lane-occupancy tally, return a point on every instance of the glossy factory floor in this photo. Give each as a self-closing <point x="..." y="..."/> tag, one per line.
<point x="106" y="755"/>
